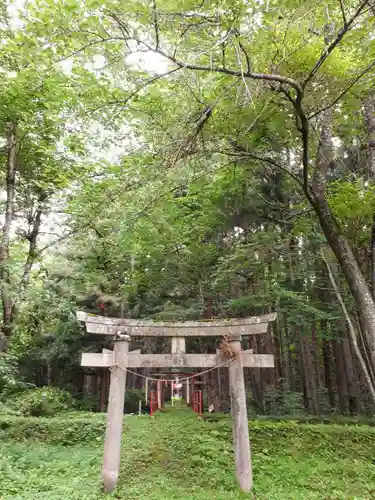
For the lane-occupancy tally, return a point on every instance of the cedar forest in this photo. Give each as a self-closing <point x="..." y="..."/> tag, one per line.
<point x="191" y="160"/>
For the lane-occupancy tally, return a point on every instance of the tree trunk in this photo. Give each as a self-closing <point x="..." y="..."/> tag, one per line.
<point x="351" y="377"/>
<point x="225" y="394"/>
<point x="90" y="383"/>
<point x="256" y="379"/>
<point x="370" y="126"/>
<point x="104" y="389"/>
<point x="278" y="349"/>
<point x="354" y="277"/>
<point x="352" y="332"/>
<point x="327" y="366"/>
<point x="49" y="373"/>
<point x="33" y="240"/>
<point x="269" y="373"/>
<point x="315" y="354"/>
<point x="308" y="373"/>
<point x="341" y="383"/>
<point x="218" y="406"/>
<point x="6" y="327"/>
<point x="338" y="242"/>
<point x="212" y="389"/>
<point x="288" y="362"/>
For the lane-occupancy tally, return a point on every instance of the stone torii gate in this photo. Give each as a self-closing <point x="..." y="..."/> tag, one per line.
<point x="120" y="359"/>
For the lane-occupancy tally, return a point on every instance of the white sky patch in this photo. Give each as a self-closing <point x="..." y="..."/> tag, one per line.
<point x="14" y="10"/>
<point x="337" y="142"/>
<point x="148" y="61"/>
<point x="238" y="230"/>
<point x="66" y="66"/>
<point x="97" y="63"/>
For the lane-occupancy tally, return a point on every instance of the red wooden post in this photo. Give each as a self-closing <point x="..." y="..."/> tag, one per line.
<point x="197" y="402"/>
<point x="151" y="403"/>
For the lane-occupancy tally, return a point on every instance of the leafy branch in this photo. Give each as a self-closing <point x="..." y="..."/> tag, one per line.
<point x="284" y="81"/>
<point x="340" y="35"/>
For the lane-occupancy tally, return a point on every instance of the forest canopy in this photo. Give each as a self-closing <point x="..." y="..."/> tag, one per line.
<point x="191" y="160"/>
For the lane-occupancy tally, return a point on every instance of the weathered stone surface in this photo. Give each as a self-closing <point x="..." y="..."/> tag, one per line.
<point x="111" y="326"/>
<point x="175" y="360"/>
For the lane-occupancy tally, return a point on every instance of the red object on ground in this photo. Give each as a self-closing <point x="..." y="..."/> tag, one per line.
<point x="197" y="402"/>
<point x="153" y="402"/>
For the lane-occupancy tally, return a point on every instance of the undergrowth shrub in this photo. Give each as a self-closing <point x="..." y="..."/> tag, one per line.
<point x="10" y="381"/>
<point x="75" y="427"/>
<point x="41" y="402"/>
<point x="280" y="401"/>
<point x="65" y="430"/>
<point x="87" y="402"/>
<point x="132" y="398"/>
<point x="6" y="410"/>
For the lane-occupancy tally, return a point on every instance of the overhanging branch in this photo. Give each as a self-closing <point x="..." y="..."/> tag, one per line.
<point x="264" y="159"/>
<point x="156" y="24"/>
<point x="296" y="100"/>
<point x="341" y="95"/>
<point x="347" y="26"/>
<point x="143" y="85"/>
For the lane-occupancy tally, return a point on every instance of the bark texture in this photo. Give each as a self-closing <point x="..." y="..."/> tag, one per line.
<point x="6" y="326"/>
<point x="338" y="242"/>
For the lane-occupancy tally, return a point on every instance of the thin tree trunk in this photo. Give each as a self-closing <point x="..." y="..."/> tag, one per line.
<point x="102" y="389"/>
<point x="351" y="376"/>
<point x="308" y="373"/>
<point x="49" y="373"/>
<point x="219" y="391"/>
<point x="6" y="327"/>
<point x="270" y="374"/>
<point x="209" y="382"/>
<point x="341" y="383"/>
<point x="225" y="395"/>
<point x="32" y="253"/>
<point x="256" y="379"/>
<point x="369" y="108"/>
<point x="287" y="358"/>
<point x="32" y="237"/>
<point x="315" y="354"/>
<point x="327" y="365"/>
<point x="278" y="351"/>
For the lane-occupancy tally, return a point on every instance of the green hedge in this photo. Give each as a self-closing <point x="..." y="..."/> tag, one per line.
<point x="308" y="419"/>
<point x="76" y="427"/>
<point x="68" y="429"/>
<point x="40" y="402"/>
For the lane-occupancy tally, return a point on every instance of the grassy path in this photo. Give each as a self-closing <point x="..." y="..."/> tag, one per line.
<point x="176" y="456"/>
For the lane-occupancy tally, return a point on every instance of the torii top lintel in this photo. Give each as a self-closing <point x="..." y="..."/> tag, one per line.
<point x="141" y="328"/>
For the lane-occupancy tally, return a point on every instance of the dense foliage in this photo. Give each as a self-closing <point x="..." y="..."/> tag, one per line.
<point x="185" y="161"/>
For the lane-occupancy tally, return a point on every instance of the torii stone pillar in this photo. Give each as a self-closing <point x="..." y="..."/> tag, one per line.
<point x="233" y="329"/>
<point x="115" y="413"/>
<point x="241" y="441"/>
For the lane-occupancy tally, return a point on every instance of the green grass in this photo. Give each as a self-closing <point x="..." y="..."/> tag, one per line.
<point x="177" y="456"/>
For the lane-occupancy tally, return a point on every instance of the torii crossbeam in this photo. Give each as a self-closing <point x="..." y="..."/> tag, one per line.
<point x="120" y="359"/>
